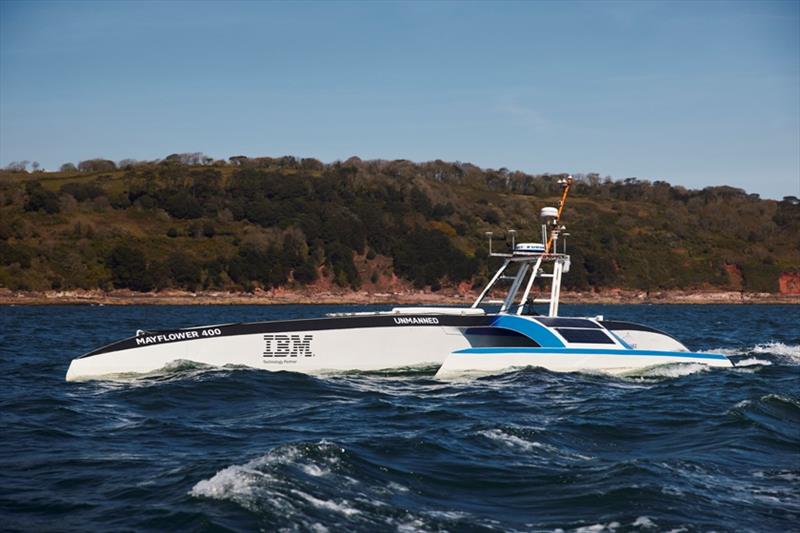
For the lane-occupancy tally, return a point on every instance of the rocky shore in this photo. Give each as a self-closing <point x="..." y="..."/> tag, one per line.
<point x="409" y="297"/>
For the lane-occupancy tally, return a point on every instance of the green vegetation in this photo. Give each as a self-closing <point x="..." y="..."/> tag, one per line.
<point x="193" y="223"/>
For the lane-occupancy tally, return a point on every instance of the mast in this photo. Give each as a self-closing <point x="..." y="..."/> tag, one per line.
<point x="532" y="258"/>
<point x="555" y="229"/>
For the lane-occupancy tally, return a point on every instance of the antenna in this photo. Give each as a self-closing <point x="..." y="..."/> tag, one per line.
<point x="554" y="222"/>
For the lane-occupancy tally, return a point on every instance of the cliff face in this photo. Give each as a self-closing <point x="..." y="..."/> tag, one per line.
<point x="734" y="273"/>
<point x="789" y="283"/>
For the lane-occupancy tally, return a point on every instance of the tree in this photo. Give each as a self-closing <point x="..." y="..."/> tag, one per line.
<point x="183" y="205"/>
<point x="82" y="191"/>
<point x="340" y="258"/>
<point x="18" y="166"/>
<point x="185" y="271"/>
<point x="309" y="163"/>
<point x="239" y="160"/>
<point x="129" y="269"/>
<point x="97" y="165"/>
<point x="68" y="167"/>
<point x="187" y="158"/>
<point x="305" y="273"/>
<point x="41" y="199"/>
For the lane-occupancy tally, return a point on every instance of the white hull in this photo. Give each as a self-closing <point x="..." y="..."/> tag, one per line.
<point x="458" y="342"/>
<point x="331" y="351"/>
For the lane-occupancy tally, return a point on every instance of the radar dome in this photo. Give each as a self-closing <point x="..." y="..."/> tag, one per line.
<point x="549" y="212"/>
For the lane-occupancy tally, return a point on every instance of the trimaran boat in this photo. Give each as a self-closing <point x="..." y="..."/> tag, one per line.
<point x="460" y="341"/>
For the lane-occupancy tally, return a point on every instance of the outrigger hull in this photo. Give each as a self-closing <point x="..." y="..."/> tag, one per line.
<point x="483" y="361"/>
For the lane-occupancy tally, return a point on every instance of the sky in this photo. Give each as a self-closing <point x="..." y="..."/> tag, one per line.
<point x="693" y="93"/>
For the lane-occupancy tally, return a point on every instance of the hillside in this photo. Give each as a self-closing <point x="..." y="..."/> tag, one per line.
<point x="191" y="223"/>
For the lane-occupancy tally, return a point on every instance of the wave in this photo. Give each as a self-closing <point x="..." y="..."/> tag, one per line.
<point x="174" y="370"/>
<point x="425" y="369"/>
<point x="674" y="370"/>
<point x="303" y="486"/>
<point x="787" y="353"/>
<point x="753" y="361"/>
<point x="778" y="348"/>
<point x="598" y="528"/>
<point x="665" y="371"/>
<point x="509" y="439"/>
<point x="268" y="482"/>
<point x="776" y="414"/>
<point x="642" y="523"/>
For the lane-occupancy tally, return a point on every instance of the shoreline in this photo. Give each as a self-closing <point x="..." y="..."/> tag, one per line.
<point x="304" y="297"/>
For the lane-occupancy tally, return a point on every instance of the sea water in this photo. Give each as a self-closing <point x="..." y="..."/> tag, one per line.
<point x="679" y="447"/>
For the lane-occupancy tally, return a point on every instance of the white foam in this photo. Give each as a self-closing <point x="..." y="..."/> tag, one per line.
<point x="448" y="515"/>
<point x="249" y="483"/>
<point x="314" y="470"/>
<point x="726" y="351"/>
<point x="778" y="348"/>
<point x="396" y="487"/>
<point x="412" y="526"/>
<point x="179" y="365"/>
<point x="237" y="482"/>
<point x="330" y="505"/>
<point x="598" y="528"/>
<point x="674" y="370"/>
<point x="371" y="502"/>
<point x="753" y="361"/>
<point x="789" y="351"/>
<point x="644" y="522"/>
<point x="510" y="440"/>
<point x="519" y="442"/>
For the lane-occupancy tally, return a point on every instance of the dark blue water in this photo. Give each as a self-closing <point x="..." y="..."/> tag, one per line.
<point x="232" y="449"/>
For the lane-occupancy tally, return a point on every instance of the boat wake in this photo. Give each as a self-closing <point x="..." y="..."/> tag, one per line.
<point x="179" y="369"/>
<point x="671" y="370"/>
<point x="190" y="370"/>
<point x="763" y="354"/>
<point x="406" y="371"/>
<point x="753" y="361"/>
<point x="792" y="352"/>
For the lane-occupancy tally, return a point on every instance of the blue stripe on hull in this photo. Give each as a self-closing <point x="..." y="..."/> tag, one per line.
<point x="587" y="351"/>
